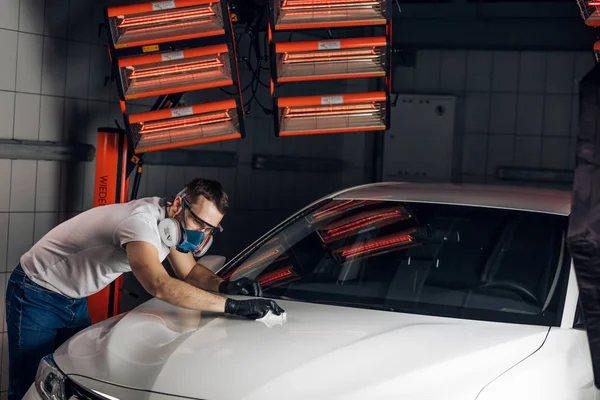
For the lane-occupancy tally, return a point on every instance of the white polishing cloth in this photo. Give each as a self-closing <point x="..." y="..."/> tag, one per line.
<point x="271" y="319"/>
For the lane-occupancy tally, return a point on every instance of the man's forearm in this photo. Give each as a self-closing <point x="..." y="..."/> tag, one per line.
<point x="184" y="295"/>
<point x="203" y="278"/>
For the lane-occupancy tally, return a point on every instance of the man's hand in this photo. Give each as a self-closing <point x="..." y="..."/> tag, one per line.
<point x="254" y="309"/>
<point x="243" y="286"/>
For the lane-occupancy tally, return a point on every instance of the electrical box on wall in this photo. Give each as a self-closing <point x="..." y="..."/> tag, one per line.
<point x="419" y="146"/>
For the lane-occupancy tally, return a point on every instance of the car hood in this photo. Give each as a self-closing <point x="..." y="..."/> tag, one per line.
<point x="320" y="351"/>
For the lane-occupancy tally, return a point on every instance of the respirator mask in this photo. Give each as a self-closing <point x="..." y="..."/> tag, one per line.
<point x="174" y="233"/>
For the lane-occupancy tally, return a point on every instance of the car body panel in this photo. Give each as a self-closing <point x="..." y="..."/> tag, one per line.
<point x="320" y="351"/>
<point x="561" y="369"/>
<point x="529" y="199"/>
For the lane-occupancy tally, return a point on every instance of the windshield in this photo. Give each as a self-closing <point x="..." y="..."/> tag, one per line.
<point x="435" y="259"/>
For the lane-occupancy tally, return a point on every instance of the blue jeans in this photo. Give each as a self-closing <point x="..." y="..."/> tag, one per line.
<point x="38" y="322"/>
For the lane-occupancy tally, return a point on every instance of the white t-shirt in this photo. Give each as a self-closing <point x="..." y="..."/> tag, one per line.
<point x="86" y="253"/>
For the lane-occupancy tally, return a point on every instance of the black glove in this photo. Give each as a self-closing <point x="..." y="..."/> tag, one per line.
<point x="254" y="309"/>
<point x="244" y="286"/>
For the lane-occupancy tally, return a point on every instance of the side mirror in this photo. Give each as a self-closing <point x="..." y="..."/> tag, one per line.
<point x="213" y="263"/>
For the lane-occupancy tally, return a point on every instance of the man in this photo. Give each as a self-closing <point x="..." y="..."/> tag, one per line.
<point x="47" y="291"/>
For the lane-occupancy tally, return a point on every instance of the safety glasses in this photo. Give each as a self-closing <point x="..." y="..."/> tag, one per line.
<point x="208" y="228"/>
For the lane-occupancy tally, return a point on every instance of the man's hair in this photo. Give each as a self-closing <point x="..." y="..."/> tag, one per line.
<point x="211" y="190"/>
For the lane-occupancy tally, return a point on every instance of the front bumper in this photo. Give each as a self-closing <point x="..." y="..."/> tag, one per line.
<point x="32" y="394"/>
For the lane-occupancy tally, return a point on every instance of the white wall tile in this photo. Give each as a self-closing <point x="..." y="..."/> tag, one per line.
<point x="78" y="69"/>
<point x="55" y="67"/>
<point x="500" y="152"/>
<point x="31" y="16"/>
<point x="78" y="121"/>
<point x="559" y="72"/>
<point x="555" y="154"/>
<point x="43" y="223"/>
<point x="6" y="278"/>
<point x="427" y="74"/>
<point x="71" y="186"/>
<point x="97" y="18"/>
<point x="57" y="18"/>
<point x="47" y="194"/>
<point x="532" y="72"/>
<point x="80" y="21"/>
<point x="244" y="186"/>
<point x="7" y="114"/>
<point x="572" y="153"/>
<point x="477" y="113"/>
<point x="479" y="70"/>
<point x="4" y="379"/>
<point x="503" y="113"/>
<point x="22" y="185"/>
<point x="474" y="154"/>
<point x="584" y="62"/>
<point x="473" y="179"/>
<point x="3" y="395"/>
<point x="454" y="68"/>
<point x="99" y="70"/>
<point x="51" y="118"/>
<point x="2" y="295"/>
<point x="4" y="219"/>
<point x="574" y="115"/>
<point x="530" y="116"/>
<point x="353" y="149"/>
<point x="5" y="176"/>
<point x="20" y="237"/>
<point x="27" y="116"/>
<point x="528" y="152"/>
<point x="88" y="185"/>
<point x="175" y="179"/>
<point x="29" y="63"/>
<point x="157" y="180"/>
<point x="506" y="71"/>
<point x="557" y="115"/>
<point x="9" y="14"/>
<point x="403" y="79"/>
<point x="227" y="177"/>
<point x="8" y="61"/>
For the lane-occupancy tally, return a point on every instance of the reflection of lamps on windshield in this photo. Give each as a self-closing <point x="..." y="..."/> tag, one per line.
<point x="279" y="277"/>
<point x="363" y="222"/>
<point x="336" y="208"/>
<point x="266" y="256"/>
<point x="372" y="247"/>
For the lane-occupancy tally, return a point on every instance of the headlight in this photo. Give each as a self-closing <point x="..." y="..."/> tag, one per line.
<point x="49" y="381"/>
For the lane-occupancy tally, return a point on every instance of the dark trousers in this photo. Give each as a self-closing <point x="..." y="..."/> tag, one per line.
<point x="38" y="321"/>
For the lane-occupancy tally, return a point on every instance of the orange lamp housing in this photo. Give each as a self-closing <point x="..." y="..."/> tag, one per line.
<point x="176" y="71"/>
<point x="166" y="21"/>
<point x="323" y="14"/>
<point x="314" y="115"/>
<point x="186" y="126"/>
<point x="330" y="59"/>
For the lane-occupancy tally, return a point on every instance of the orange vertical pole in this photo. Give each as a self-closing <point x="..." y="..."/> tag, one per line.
<point x="110" y="187"/>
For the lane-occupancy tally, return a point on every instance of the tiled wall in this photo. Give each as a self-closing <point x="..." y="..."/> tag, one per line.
<point x="52" y="88"/>
<point x="514" y="108"/>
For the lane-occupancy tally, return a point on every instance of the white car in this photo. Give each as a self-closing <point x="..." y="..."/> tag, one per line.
<point x="391" y="291"/>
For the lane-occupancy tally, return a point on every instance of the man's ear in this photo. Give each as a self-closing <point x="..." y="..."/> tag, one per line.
<point x="177" y="204"/>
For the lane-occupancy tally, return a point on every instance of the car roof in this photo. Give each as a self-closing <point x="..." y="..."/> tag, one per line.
<point x="551" y="201"/>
